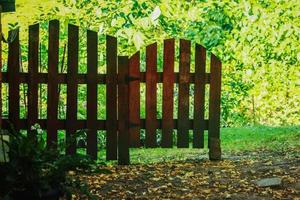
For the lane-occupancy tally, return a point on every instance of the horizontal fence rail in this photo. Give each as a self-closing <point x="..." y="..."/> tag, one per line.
<point x="122" y="80"/>
<point x="100" y="78"/>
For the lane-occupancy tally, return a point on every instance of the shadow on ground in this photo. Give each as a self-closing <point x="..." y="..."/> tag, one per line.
<point x="235" y="177"/>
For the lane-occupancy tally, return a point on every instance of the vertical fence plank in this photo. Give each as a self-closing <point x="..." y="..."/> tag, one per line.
<point x="111" y="99"/>
<point x="72" y="87"/>
<point x="52" y="103"/>
<point x="151" y="95"/>
<point x="14" y="80"/>
<point x="92" y="67"/>
<point x="199" y="97"/>
<point x="214" y="108"/>
<point x="33" y="64"/>
<point x="183" y="93"/>
<point x="168" y="96"/>
<point x="123" y="111"/>
<point x="134" y="100"/>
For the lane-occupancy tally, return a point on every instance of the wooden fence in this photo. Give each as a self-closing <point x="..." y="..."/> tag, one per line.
<point x="122" y="80"/>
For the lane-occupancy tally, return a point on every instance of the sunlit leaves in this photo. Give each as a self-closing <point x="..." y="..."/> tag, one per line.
<point x="261" y="36"/>
<point x="155" y="14"/>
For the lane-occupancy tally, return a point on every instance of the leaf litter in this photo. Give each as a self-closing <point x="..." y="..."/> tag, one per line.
<point x="235" y="177"/>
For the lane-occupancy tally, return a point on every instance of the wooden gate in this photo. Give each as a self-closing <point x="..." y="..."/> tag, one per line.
<point x="123" y="123"/>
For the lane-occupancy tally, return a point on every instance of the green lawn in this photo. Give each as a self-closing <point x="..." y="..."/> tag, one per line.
<point x="260" y="137"/>
<point x="233" y="140"/>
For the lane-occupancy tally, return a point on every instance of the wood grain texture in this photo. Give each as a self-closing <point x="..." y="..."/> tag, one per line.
<point x="92" y="68"/>
<point x="168" y="93"/>
<point x="199" y="97"/>
<point x="101" y="78"/>
<point x="111" y="99"/>
<point x="214" y="98"/>
<point x="33" y="65"/>
<point x="151" y="95"/>
<point x="134" y="100"/>
<point x="72" y="87"/>
<point x="183" y="94"/>
<point x="52" y="96"/>
<point x="13" y="70"/>
<point x="101" y="124"/>
<point x="123" y="111"/>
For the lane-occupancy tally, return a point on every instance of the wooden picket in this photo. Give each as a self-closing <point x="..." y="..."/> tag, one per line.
<point x="52" y="95"/>
<point x="123" y="110"/>
<point x="13" y="80"/>
<point x="151" y="95"/>
<point x="199" y="96"/>
<point x="123" y="123"/>
<point x="183" y="94"/>
<point x="72" y="70"/>
<point x="134" y="100"/>
<point x="92" y="68"/>
<point x="111" y="99"/>
<point x="168" y="93"/>
<point x="33" y="63"/>
<point x="214" y="98"/>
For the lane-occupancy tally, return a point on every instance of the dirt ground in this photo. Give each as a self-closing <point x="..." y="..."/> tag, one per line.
<point x="232" y="178"/>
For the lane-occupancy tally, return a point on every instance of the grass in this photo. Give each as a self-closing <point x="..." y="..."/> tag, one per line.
<point x="233" y="140"/>
<point x="260" y="137"/>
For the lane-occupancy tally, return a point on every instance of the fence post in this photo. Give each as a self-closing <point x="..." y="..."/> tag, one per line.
<point x="151" y="95"/>
<point x="33" y="65"/>
<point x="92" y="68"/>
<point x="134" y="100"/>
<point x="168" y="96"/>
<point x="111" y="99"/>
<point x="72" y="72"/>
<point x="123" y="111"/>
<point x="183" y="94"/>
<point x="52" y="103"/>
<point x="214" y="109"/>
<point x="199" y="97"/>
<point x="14" y="80"/>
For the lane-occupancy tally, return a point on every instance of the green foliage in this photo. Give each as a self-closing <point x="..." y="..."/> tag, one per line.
<point x="33" y="169"/>
<point x="233" y="140"/>
<point x="257" y="42"/>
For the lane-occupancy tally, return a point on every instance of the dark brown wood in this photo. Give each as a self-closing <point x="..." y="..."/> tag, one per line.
<point x="175" y="77"/>
<point x="92" y="67"/>
<point x="101" y="124"/>
<point x="123" y="111"/>
<point x="72" y="87"/>
<point x="101" y="78"/>
<point x="151" y="95"/>
<point x="214" y="101"/>
<point x="33" y="67"/>
<point x="13" y="81"/>
<point x="61" y="78"/>
<point x="52" y="99"/>
<point x="168" y="96"/>
<point x="199" y="97"/>
<point x="215" y="152"/>
<point x="183" y="94"/>
<point x="111" y="99"/>
<point x="134" y="100"/>
<point x="123" y="121"/>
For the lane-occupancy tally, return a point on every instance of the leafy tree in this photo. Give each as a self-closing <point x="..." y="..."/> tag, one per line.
<point x="257" y="42"/>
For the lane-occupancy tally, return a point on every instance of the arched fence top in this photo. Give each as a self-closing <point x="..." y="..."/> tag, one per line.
<point x="123" y="78"/>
